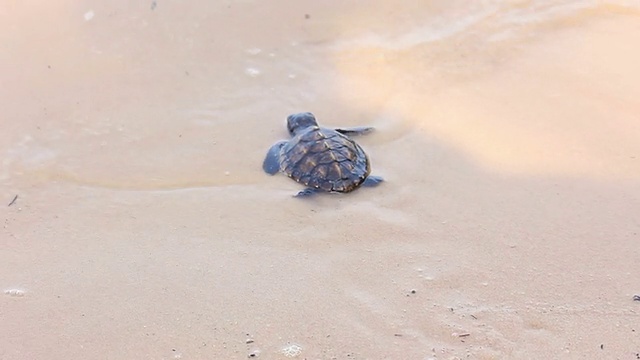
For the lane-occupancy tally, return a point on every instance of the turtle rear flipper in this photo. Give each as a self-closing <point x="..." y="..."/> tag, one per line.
<point x="271" y="164"/>
<point x="372" y="181"/>
<point x="307" y="192"/>
<point x="360" y="130"/>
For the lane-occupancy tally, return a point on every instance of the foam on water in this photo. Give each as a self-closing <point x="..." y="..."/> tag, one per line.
<point x="291" y="350"/>
<point x="14" y="292"/>
<point x="487" y="19"/>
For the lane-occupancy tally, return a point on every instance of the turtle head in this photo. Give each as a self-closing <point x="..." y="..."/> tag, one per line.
<point x="300" y="121"/>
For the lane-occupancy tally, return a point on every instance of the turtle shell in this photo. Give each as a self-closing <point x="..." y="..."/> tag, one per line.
<point x="325" y="159"/>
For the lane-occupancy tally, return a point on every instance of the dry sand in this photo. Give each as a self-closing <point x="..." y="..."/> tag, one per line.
<point x="133" y="134"/>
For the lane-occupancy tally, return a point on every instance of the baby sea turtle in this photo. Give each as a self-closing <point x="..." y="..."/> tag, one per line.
<point x="321" y="159"/>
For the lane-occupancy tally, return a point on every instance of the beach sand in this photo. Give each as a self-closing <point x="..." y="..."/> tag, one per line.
<point x="144" y="227"/>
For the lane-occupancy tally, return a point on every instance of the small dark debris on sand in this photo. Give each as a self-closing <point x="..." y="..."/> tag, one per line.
<point x="13" y="201"/>
<point x="635" y="297"/>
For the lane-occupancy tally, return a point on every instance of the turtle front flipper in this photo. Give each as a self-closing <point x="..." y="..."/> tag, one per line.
<point x="372" y="181"/>
<point x="360" y="130"/>
<point x="271" y="164"/>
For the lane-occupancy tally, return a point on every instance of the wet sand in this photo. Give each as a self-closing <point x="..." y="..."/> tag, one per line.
<point x="144" y="227"/>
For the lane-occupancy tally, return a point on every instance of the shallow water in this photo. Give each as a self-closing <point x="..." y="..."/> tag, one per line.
<point x="133" y="135"/>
